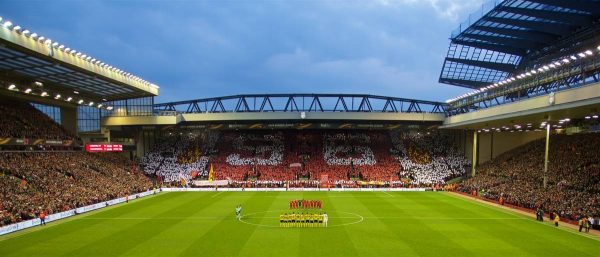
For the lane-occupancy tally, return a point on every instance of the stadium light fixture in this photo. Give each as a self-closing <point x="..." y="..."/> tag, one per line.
<point x="91" y="103"/>
<point x="589" y="52"/>
<point x="44" y="94"/>
<point x="41" y="39"/>
<point x="26" y="32"/>
<point x="80" y="101"/>
<point x="11" y="87"/>
<point x="595" y="116"/>
<point x="7" y="24"/>
<point x="573" y="57"/>
<point x="69" y="99"/>
<point x="565" y="60"/>
<point x="39" y="84"/>
<point x="99" y="105"/>
<point x="588" y="117"/>
<point x="55" y="44"/>
<point x="76" y="92"/>
<point x="109" y="108"/>
<point x="17" y="29"/>
<point x="27" y="91"/>
<point x="567" y="119"/>
<point x="34" y="36"/>
<point x="582" y="55"/>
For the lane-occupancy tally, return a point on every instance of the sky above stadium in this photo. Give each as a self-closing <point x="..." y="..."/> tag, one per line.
<point x="197" y="49"/>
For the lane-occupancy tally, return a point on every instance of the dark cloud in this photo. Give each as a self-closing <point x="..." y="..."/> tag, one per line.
<point x="195" y="49"/>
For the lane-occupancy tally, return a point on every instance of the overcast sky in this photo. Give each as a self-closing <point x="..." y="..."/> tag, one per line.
<point x="197" y="49"/>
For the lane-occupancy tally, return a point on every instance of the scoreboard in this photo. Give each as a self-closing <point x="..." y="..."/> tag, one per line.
<point x="103" y="148"/>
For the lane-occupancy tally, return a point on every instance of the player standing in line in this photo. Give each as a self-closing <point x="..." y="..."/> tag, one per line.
<point x="320" y="218"/>
<point x="325" y="219"/>
<point x="238" y="211"/>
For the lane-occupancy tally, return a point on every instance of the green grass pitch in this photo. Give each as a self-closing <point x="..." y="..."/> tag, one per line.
<point x="361" y="224"/>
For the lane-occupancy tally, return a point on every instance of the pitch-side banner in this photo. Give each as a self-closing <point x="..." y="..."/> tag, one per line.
<point x="205" y="183"/>
<point x="225" y="189"/>
<point x="61" y="215"/>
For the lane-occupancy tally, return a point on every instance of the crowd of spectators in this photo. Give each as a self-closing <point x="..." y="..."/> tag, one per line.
<point x="180" y="156"/>
<point x="273" y="156"/>
<point x="573" y="187"/>
<point x="22" y="120"/>
<point x="31" y="182"/>
<point x="427" y="158"/>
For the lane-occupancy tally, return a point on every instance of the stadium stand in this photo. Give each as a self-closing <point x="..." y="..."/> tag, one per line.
<point x="179" y="156"/>
<point x="428" y="158"/>
<point x="573" y="188"/>
<point x="31" y="182"/>
<point x="22" y="120"/>
<point x="268" y="158"/>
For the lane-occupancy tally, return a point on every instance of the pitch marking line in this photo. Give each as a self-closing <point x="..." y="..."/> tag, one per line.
<point x="522" y="216"/>
<point x="387" y="193"/>
<point x="276" y="217"/>
<point x="68" y="219"/>
<point x="216" y="194"/>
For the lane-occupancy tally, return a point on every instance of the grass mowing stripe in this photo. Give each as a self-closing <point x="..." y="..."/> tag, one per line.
<point x="423" y="239"/>
<point x="493" y="232"/>
<point x="47" y="237"/>
<point x="126" y="236"/>
<point x="538" y="239"/>
<point x="211" y="242"/>
<point x="65" y="220"/>
<point x="374" y="237"/>
<point x="171" y="229"/>
<point x="522" y="216"/>
<point x="407" y="224"/>
<point x="335" y="236"/>
<point x="263" y="239"/>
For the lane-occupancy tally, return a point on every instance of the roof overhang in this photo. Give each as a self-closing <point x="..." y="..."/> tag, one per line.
<point x="26" y="57"/>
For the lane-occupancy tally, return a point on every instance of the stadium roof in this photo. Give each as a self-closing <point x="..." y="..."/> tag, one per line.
<point x="27" y="56"/>
<point x="500" y="38"/>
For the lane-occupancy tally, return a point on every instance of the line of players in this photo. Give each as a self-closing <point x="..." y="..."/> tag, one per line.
<point x="303" y="220"/>
<point x="306" y="204"/>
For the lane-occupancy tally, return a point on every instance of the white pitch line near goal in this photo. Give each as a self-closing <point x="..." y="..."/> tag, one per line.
<point x="388" y="194"/>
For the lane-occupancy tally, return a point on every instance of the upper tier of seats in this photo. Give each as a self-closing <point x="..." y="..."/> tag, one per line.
<point x="22" y="120"/>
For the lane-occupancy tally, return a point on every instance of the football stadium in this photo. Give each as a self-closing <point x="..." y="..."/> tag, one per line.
<point x="92" y="164"/>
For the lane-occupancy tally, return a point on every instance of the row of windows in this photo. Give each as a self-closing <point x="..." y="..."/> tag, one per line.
<point x="88" y="118"/>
